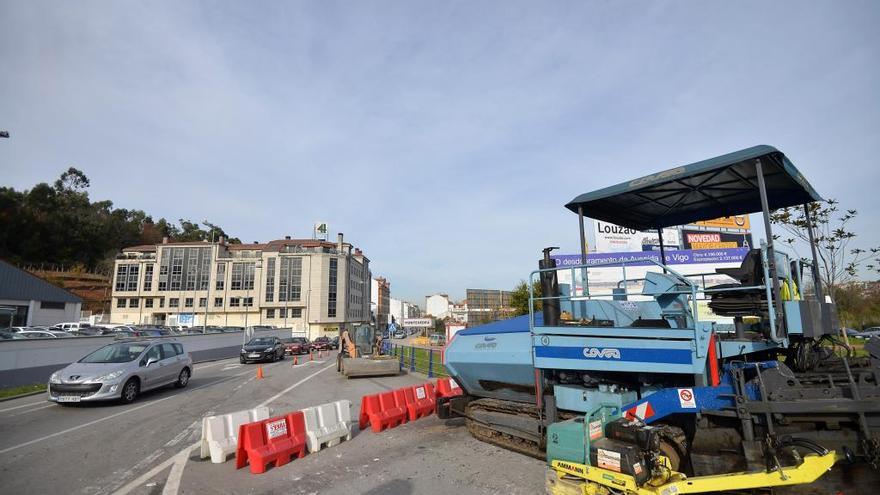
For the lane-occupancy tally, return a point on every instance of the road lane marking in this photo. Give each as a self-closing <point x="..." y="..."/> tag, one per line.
<point x="215" y="363"/>
<point x="21" y="406"/>
<point x="179" y="460"/>
<point x="172" y="484"/>
<point x="90" y="423"/>
<point x="31" y="410"/>
<point x="105" y="418"/>
<point x="297" y="384"/>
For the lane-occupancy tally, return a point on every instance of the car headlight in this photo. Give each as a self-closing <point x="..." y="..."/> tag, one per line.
<point x="55" y="378"/>
<point x="106" y="377"/>
<point x="243" y="350"/>
<point x="269" y="350"/>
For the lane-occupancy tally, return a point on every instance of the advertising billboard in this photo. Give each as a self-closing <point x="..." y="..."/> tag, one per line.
<point x="611" y="238"/>
<point x="699" y="239"/>
<point x="734" y="222"/>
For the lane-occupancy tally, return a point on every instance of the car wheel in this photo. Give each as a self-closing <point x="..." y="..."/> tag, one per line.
<point x="130" y="391"/>
<point x="242" y="360"/>
<point x="182" y="378"/>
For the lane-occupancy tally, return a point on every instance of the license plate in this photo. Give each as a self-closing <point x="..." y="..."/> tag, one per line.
<point x="253" y="355"/>
<point x="69" y="398"/>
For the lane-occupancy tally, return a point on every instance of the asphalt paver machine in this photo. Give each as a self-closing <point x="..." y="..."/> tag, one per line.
<point x="628" y="390"/>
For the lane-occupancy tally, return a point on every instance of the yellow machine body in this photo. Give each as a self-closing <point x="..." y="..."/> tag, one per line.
<point x="596" y="480"/>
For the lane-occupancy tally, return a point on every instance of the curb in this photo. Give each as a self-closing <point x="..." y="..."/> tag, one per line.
<point x="22" y="395"/>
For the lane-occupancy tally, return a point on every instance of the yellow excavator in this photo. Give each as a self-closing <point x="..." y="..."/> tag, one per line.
<point x="360" y="354"/>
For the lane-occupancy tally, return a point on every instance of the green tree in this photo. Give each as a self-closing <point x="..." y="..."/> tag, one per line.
<point x="519" y="299"/>
<point x="839" y="262"/>
<point x="59" y="224"/>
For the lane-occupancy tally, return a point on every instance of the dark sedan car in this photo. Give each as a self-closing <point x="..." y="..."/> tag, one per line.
<point x="297" y="345"/>
<point x="262" y="349"/>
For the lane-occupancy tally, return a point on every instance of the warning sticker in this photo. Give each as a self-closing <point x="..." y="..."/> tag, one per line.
<point x="276" y="429"/>
<point x="453" y="384"/>
<point x="637" y="468"/>
<point x="420" y="393"/>
<point x="608" y="460"/>
<point x="595" y="429"/>
<point x="686" y="398"/>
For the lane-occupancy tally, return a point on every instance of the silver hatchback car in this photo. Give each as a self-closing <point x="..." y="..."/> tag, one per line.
<point x="122" y="370"/>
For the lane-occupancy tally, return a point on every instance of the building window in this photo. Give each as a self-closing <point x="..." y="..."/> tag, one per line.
<point x="247" y="301"/>
<point x="270" y="313"/>
<point x="120" y="303"/>
<point x="234" y="302"/>
<point x="282" y="312"/>
<point x="218" y="302"/>
<point x="221" y="276"/>
<point x="188" y="302"/>
<point x="290" y="279"/>
<point x="270" y="279"/>
<point x="148" y="303"/>
<point x="173" y="302"/>
<point x="161" y="302"/>
<point x="331" y="288"/>
<point x="133" y="303"/>
<point x="127" y="277"/>
<point x="148" y="277"/>
<point x="242" y="276"/>
<point x="51" y="305"/>
<point x="296" y="312"/>
<point x="203" y="301"/>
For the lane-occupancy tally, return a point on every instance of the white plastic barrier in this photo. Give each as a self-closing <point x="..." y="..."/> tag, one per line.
<point x="220" y="433"/>
<point x="327" y="424"/>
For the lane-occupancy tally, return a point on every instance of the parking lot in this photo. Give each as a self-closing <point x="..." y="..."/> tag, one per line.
<point x="150" y="446"/>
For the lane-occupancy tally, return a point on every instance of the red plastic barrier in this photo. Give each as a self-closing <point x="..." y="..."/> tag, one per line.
<point x="381" y="411"/>
<point x="420" y="400"/>
<point x="447" y="387"/>
<point x="275" y="440"/>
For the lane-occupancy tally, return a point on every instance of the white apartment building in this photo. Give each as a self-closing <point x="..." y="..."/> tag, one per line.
<point x="437" y="305"/>
<point x="402" y="310"/>
<point x="312" y="286"/>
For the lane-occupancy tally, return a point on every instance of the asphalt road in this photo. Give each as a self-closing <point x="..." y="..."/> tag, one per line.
<point x="150" y="447"/>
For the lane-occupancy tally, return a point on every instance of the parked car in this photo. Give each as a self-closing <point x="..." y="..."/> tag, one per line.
<point x="4" y="335"/>
<point x="321" y="343"/>
<point x="43" y="334"/>
<point x="16" y="329"/>
<point x="262" y="349"/>
<point x="334" y="342"/>
<point x="122" y="371"/>
<point x="869" y="332"/>
<point x="399" y="334"/>
<point x="73" y="326"/>
<point x="296" y="345"/>
<point x="261" y="328"/>
<point x="437" y="339"/>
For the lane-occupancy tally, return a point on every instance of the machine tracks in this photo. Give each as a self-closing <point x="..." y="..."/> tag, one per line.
<point x="506" y="435"/>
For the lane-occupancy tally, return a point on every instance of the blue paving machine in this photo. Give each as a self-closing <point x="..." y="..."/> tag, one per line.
<point x="763" y="380"/>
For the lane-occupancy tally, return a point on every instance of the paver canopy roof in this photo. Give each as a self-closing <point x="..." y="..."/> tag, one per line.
<point x="722" y="186"/>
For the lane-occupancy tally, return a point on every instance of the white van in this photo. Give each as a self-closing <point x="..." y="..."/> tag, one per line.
<point x="71" y="326"/>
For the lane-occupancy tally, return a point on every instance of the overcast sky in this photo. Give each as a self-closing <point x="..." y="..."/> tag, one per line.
<point x="443" y="138"/>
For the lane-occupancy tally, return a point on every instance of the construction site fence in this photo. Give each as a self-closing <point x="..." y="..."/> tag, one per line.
<point x="418" y="359"/>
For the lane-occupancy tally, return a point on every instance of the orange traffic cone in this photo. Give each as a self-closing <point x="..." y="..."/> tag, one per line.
<point x="259" y="372"/>
<point x="295" y="361"/>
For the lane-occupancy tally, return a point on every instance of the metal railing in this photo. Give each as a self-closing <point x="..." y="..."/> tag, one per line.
<point x="417" y="359"/>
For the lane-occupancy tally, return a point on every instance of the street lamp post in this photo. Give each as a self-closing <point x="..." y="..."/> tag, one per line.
<point x="210" y="270"/>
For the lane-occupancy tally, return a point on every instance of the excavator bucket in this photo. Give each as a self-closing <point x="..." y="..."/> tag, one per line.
<point x="370" y="366"/>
